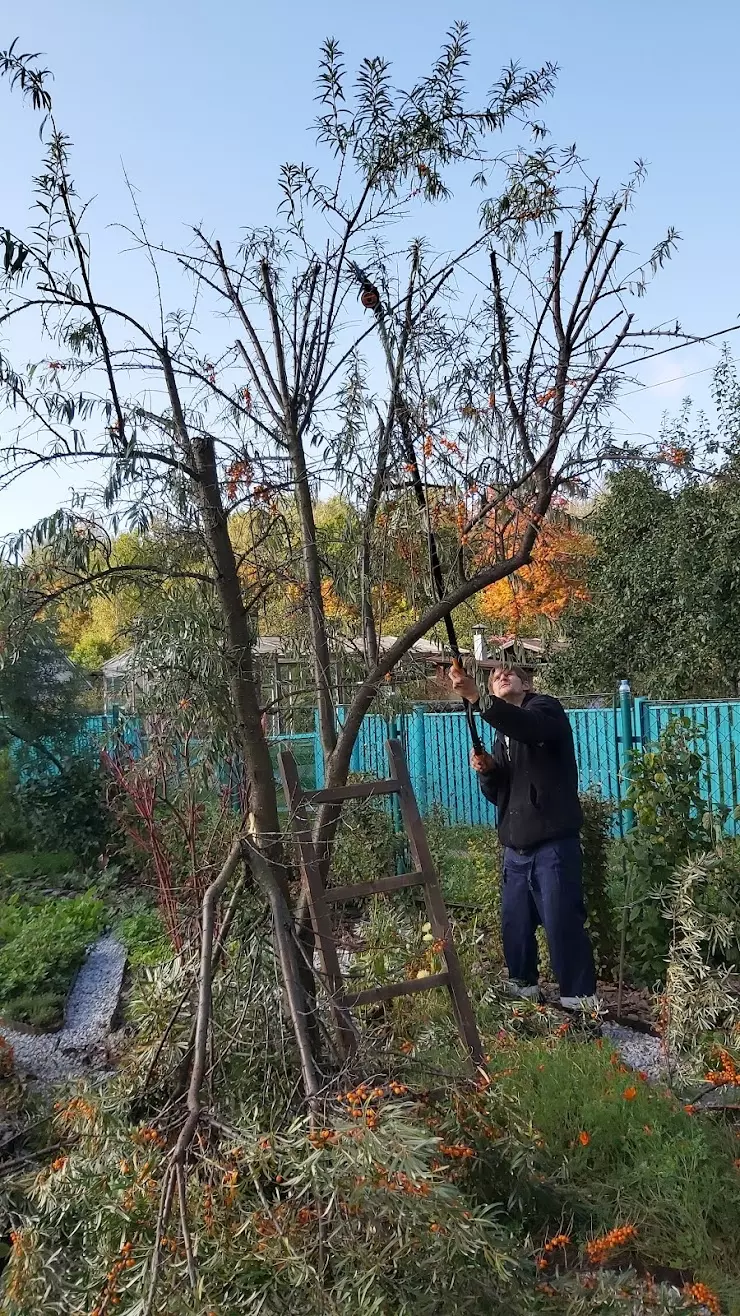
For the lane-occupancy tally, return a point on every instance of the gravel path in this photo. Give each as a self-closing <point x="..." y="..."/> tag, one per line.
<point x="53" y="1057"/>
<point x="639" y="1050"/>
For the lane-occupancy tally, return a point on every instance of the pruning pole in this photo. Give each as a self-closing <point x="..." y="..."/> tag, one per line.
<point x="371" y="300"/>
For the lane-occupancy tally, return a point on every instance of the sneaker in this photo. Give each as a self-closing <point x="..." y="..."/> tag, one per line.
<point x="520" y="991"/>
<point x="581" y="1004"/>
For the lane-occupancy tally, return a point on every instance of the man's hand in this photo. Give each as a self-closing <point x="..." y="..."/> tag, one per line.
<point x="462" y="684"/>
<point x="481" y="762"/>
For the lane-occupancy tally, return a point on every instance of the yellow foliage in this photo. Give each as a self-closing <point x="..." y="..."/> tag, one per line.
<point x="335" y="609"/>
<point x="553" y="579"/>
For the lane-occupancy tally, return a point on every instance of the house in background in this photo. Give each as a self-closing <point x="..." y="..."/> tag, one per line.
<point x="531" y="651"/>
<point x="286" y="678"/>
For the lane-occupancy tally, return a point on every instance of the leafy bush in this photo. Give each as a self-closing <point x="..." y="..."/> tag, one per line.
<point x="176" y="820"/>
<point x="400" y="1236"/>
<point x="468" y="861"/>
<point x="613" y="1146"/>
<point x="670" y="826"/>
<point x="366" y="845"/>
<point x="20" y="870"/>
<point x="143" y="935"/>
<point x="703" y="913"/>
<point x="602" y="917"/>
<point x="13" y="831"/>
<point x="41" y="948"/>
<point x="67" y="810"/>
<point x="431" y="1199"/>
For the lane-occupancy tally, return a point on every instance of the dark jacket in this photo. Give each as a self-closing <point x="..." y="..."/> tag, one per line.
<point x="534" y="784"/>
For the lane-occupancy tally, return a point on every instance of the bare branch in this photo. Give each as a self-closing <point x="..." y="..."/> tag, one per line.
<point x="503" y="341"/>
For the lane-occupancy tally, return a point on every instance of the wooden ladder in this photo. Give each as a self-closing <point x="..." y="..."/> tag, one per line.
<point x="424" y="875"/>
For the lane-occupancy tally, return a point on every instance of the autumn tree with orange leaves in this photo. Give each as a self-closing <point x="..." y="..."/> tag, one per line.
<point x="538" y="595"/>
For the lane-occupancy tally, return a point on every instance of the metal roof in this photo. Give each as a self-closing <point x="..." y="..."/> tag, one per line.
<point x="287" y="650"/>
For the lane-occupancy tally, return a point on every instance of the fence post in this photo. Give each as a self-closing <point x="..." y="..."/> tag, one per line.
<point x="627" y="741"/>
<point x="355" y="761"/>
<point x="318" y="753"/>
<point x="641" y="705"/>
<point x="395" y="732"/>
<point x="418" y="757"/>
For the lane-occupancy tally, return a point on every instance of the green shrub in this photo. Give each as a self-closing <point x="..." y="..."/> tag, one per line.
<point x="602" y="917"/>
<point x="670" y="827"/>
<point x="434" y="1198"/>
<point x="24" y="867"/>
<point x="645" y="1159"/>
<point x="366" y="844"/>
<point x="468" y="861"/>
<point x="13" y="830"/>
<point x="67" y="810"/>
<point x="144" y="937"/>
<point x="703" y="912"/>
<point x="41" y="948"/>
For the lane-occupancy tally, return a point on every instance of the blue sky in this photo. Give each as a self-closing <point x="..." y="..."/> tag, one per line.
<point x="203" y="101"/>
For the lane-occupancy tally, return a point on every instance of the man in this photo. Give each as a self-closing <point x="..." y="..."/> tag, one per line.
<point x="532" y="778"/>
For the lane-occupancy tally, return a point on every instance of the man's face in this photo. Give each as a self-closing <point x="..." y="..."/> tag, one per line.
<point x="506" y="684"/>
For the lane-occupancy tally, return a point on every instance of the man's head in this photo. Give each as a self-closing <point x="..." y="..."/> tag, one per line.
<point x="510" y="682"/>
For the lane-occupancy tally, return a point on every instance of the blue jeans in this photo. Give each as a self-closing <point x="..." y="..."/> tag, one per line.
<point x="543" y="886"/>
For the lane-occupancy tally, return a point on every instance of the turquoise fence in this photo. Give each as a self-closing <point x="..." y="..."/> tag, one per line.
<point x="717" y="724"/>
<point x="437" y="747"/>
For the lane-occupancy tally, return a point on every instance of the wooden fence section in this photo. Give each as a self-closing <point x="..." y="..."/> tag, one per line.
<point x="717" y="724"/>
<point x="437" y="747"/>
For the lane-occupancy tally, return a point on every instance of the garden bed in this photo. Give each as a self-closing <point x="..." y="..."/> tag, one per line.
<point x="44" y="872"/>
<point x="42" y="947"/>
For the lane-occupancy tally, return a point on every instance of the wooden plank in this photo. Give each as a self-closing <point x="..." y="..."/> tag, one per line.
<point x="713" y="778"/>
<point x="363" y="790"/>
<point x="393" y="989"/>
<point x="731" y="756"/>
<point x="436" y="911"/>
<point x="723" y="733"/>
<point x="338" y="895"/>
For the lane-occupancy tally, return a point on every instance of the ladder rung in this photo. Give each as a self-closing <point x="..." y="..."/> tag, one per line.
<point x="406" y="988"/>
<point x="339" y="895"/>
<point x="361" y="790"/>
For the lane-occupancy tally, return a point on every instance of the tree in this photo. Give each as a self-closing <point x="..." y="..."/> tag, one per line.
<point x="663" y="579"/>
<point x="93" y="628"/>
<point x="553" y="581"/>
<point x="39" y="689"/>
<point x="473" y="409"/>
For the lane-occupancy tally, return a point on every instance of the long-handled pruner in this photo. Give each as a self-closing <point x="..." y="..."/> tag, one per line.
<point x="371" y="300"/>
<point x="457" y="663"/>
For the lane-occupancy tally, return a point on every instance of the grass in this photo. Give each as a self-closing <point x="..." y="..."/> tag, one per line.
<point x="468" y="861"/>
<point x="41" y="948"/>
<point x="143" y="935"/>
<point x="21" y="867"/>
<point x="44" y="935"/>
<point x="642" y="1158"/>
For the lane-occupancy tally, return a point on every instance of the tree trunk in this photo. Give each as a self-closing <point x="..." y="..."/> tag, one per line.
<point x="251" y="738"/>
<point x="317" y="617"/>
<point x="369" y="630"/>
